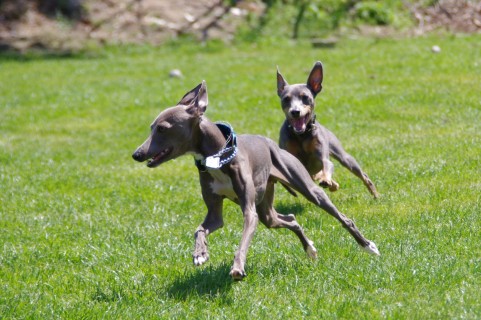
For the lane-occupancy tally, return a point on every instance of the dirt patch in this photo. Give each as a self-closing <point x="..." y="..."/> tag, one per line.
<point x="119" y="21"/>
<point x="451" y="15"/>
<point x="23" y="27"/>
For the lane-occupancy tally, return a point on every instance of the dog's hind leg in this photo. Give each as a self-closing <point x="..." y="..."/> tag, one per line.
<point x="212" y="222"/>
<point x="319" y="197"/>
<point x="298" y="178"/>
<point x="271" y="219"/>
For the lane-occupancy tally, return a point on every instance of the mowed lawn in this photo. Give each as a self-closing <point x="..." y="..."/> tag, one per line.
<point x="86" y="232"/>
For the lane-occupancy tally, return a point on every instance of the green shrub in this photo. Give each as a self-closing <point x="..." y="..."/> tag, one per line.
<point x="374" y="13"/>
<point x="315" y="19"/>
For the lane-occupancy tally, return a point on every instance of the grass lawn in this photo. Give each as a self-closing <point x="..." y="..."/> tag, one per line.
<point x="86" y="232"/>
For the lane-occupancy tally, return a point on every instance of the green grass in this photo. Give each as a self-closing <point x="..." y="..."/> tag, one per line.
<point x="85" y="232"/>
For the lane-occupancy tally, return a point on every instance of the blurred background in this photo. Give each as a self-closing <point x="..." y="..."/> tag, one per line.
<point x="72" y="25"/>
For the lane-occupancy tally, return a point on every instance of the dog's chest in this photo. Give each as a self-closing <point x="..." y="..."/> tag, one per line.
<point x="306" y="150"/>
<point x="222" y="184"/>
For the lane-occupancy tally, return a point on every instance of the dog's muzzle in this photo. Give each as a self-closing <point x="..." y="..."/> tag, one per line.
<point x="138" y="156"/>
<point x="295" y="114"/>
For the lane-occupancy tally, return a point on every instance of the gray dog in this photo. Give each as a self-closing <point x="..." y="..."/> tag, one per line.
<point x="241" y="168"/>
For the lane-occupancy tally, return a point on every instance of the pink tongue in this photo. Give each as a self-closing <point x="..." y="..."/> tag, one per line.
<point x="299" y="124"/>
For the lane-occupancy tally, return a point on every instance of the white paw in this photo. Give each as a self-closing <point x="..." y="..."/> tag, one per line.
<point x="372" y="249"/>
<point x="311" y="250"/>
<point x="198" y="261"/>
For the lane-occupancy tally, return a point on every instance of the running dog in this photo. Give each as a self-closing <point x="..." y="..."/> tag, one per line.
<point x="241" y="168"/>
<point x="307" y="139"/>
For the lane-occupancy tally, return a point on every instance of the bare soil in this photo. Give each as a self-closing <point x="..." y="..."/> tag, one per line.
<point x="155" y="21"/>
<point x="457" y="16"/>
<point x="121" y="21"/>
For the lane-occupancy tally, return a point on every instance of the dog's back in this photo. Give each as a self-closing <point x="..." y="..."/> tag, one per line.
<point x="281" y="166"/>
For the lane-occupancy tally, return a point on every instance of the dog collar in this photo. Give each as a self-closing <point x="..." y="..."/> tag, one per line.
<point x="309" y="127"/>
<point x="225" y="155"/>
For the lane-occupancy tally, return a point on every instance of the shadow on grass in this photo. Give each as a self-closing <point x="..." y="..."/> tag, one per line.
<point x="209" y="282"/>
<point x="285" y="207"/>
<point x="9" y="54"/>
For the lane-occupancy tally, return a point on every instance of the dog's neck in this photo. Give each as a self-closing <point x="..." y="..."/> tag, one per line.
<point x="217" y="145"/>
<point x="311" y="123"/>
<point x="210" y="139"/>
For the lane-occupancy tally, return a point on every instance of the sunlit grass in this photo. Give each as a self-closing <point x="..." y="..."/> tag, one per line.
<point x="88" y="233"/>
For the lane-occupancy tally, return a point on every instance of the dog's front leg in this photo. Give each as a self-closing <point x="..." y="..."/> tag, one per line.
<point x="250" y="224"/>
<point x="244" y="188"/>
<point x="325" y="175"/>
<point x="212" y="222"/>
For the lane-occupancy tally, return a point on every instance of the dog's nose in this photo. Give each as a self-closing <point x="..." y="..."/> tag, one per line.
<point x="295" y="113"/>
<point x="137" y="156"/>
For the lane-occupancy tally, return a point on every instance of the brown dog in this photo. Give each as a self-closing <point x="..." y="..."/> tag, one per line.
<point x="307" y="139"/>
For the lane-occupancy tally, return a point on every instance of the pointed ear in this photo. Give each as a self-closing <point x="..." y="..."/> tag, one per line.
<point x="202" y="99"/>
<point x="314" y="82"/>
<point x="281" y="83"/>
<point x="189" y="97"/>
<point x="199" y="104"/>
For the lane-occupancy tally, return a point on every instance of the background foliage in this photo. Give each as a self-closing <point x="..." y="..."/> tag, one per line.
<point x="314" y="19"/>
<point x="70" y="26"/>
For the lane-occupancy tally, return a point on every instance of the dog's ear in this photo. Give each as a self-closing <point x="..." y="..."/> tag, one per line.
<point x="281" y="83"/>
<point x="314" y="82"/>
<point x="202" y="99"/>
<point x="199" y="104"/>
<point x="190" y="96"/>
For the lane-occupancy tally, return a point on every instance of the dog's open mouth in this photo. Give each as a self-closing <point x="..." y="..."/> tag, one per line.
<point x="159" y="157"/>
<point x="299" y="124"/>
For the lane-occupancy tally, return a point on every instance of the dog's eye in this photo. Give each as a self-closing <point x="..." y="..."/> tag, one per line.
<point x="286" y="100"/>
<point x="306" y="100"/>
<point x="163" y="126"/>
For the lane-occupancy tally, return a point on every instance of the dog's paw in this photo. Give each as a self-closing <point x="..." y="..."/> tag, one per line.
<point x="324" y="184"/>
<point x="311" y="250"/>
<point x="372" y="248"/>
<point x="334" y="186"/>
<point x="237" y="274"/>
<point x="200" y="259"/>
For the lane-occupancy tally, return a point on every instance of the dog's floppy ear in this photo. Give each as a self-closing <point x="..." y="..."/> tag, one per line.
<point x="314" y="82"/>
<point x="281" y="83"/>
<point x="189" y="97"/>
<point x="199" y="104"/>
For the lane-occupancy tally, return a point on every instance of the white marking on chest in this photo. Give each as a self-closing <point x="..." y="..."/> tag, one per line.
<point x="222" y="184"/>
